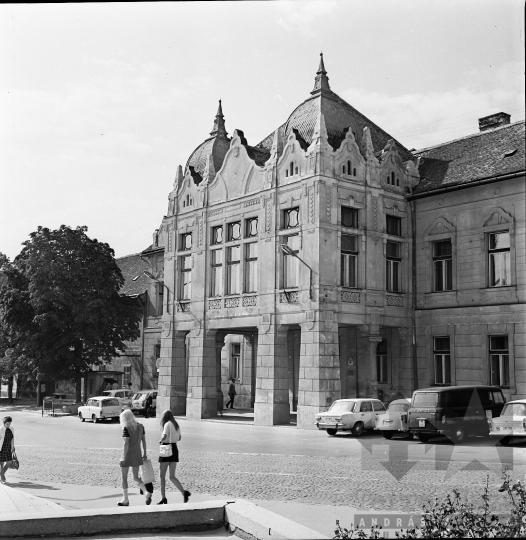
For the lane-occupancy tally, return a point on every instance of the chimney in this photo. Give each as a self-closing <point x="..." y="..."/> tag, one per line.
<point x="493" y="121"/>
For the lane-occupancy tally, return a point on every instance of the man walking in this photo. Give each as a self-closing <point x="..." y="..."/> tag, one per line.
<point x="231" y="394"/>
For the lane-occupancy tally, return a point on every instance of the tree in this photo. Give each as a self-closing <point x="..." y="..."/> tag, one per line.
<point x="60" y="304"/>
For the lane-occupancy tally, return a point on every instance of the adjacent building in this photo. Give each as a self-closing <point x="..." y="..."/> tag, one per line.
<point x="329" y="261"/>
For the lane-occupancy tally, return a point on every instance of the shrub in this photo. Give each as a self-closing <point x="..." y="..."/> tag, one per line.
<point x="455" y="518"/>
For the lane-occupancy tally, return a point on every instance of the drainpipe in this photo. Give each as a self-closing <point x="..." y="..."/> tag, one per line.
<point x="144" y="313"/>
<point x="413" y="295"/>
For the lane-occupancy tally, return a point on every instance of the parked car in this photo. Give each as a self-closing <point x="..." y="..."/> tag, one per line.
<point x="395" y="419"/>
<point x="122" y="394"/>
<point x="511" y="422"/>
<point x="352" y="415"/>
<point x="100" y="408"/>
<point x="454" y="411"/>
<point x="138" y="402"/>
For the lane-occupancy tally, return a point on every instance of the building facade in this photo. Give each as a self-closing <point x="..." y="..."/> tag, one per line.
<point x="329" y="261"/>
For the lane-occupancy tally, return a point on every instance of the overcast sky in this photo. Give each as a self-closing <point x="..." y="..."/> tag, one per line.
<point x="99" y="103"/>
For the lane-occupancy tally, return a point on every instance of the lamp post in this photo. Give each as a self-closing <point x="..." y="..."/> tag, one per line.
<point x="288" y="251"/>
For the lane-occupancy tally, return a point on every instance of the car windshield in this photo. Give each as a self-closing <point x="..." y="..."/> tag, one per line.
<point x="514" y="409"/>
<point x="110" y="402"/>
<point x="425" y="399"/>
<point x="106" y="393"/>
<point x="342" y="406"/>
<point x="139" y="396"/>
<point x="398" y="407"/>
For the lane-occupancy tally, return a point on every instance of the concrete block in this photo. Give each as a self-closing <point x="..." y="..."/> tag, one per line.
<point x="262" y="524"/>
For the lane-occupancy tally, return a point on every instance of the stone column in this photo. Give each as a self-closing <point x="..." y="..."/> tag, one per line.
<point x="202" y="375"/>
<point x="272" y="378"/>
<point x="319" y="376"/>
<point x="172" y="373"/>
<point x="371" y="380"/>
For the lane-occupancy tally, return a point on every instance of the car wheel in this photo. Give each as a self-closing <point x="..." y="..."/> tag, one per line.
<point x="332" y="432"/>
<point x="505" y="441"/>
<point x="357" y="429"/>
<point x="94" y="419"/>
<point x="81" y="418"/>
<point x="459" y="435"/>
<point x="388" y="435"/>
<point x="423" y="437"/>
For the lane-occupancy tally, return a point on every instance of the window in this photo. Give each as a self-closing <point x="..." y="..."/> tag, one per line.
<point x="381" y="362"/>
<point x="499" y="259"/>
<point x="217" y="273"/>
<point x="233" y="266"/>
<point x="235" y="362"/>
<point x="186" y="278"/>
<point x="291" y="218"/>
<point x="251" y="267"/>
<point x="160" y="298"/>
<point x="349" y="217"/>
<point x="251" y="228"/>
<point x="217" y="235"/>
<point x="392" y="271"/>
<point x="366" y="406"/>
<point x="393" y="225"/>
<point x="349" y="261"/>
<point x="442" y="266"/>
<point x="234" y="231"/>
<point x="186" y="241"/>
<point x="126" y="375"/>
<point x="442" y="358"/>
<point x="291" y="263"/>
<point x="378" y="406"/>
<point x="499" y="360"/>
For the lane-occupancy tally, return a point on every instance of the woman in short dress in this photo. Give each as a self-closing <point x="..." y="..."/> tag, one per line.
<point x="170" y="436"/>
<point x="132" y="436"/>
<point x="7" y="446"/>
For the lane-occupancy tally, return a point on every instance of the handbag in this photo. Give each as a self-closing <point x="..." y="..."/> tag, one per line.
<point x="165" y="450"/>
<point x="14" y="463"/>
<point x="147" y="474"/>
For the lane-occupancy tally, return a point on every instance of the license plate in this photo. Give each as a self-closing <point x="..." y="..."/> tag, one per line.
<point x="421" y="423"/>
<point x="388" y="421"/>
<point x="507" y="427"/>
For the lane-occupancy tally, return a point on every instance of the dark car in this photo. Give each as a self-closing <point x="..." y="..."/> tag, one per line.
<point x="454" y="411"/>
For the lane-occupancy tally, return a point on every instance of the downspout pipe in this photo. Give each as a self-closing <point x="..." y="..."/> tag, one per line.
<point x="413" y="296"/>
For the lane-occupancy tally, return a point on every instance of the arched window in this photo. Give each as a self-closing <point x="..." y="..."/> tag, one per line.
<point x="388" y="179"/>
<point x="354" y="172"/>
<point x="398" y="181"/>
<point x="287" y="173"/>
<point x="343" y="168"/>
<point x="291" y="168"/>
<point x="349" y="169"/>
<point x="392" y="178"/>
<point x="296" y="170"/>
<point x="381" y="362"/>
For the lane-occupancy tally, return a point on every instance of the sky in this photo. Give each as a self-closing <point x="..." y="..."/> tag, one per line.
<point x="100" y="102"/>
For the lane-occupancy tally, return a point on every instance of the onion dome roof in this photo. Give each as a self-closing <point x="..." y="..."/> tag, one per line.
<point x="338" y="114"/>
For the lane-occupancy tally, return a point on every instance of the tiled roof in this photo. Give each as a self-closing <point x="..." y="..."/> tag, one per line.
<point x="489" y="153"/>
<point x="338" y="115"/>
<point x="217" y="146"/>
<point x="132" y="266"/>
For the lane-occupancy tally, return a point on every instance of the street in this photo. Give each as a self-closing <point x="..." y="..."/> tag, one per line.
<point x="272" y="463"/>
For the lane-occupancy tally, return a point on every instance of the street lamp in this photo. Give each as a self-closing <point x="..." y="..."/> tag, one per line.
<point x="151" y="276"/>
<point x="288" y="251"/>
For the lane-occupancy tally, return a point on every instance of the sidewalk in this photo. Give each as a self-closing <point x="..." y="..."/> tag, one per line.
<point x="320" y="518"/>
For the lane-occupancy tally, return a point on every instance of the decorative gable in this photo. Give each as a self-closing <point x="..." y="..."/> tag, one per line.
<point x="392" y="170"/>
<point x="348" y="161"/>
<point x="293" y="163"/>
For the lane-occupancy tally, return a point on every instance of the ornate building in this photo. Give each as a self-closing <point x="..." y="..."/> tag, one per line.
<point x="329" y="261"/>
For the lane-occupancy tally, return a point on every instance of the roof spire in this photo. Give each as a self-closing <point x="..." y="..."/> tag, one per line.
<point x="321" y="82"/>
<point x="219" y="129"/>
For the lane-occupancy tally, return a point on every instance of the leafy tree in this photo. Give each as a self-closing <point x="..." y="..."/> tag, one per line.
<point x="61" y="307"/>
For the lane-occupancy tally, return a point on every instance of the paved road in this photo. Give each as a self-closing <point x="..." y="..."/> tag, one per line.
<point x="272" y="463"/>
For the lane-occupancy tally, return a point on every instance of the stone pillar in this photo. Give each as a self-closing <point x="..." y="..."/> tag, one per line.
<point x="271" y="406"/>
<point x="371" y="380"/>
<point x="172" y="373"/>
<point x="202" y="376"/>
<point x="319" y="374"/>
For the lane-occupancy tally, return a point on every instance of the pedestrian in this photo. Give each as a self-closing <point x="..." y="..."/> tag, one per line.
<point x="170" y="436"/>
<point x="231" y="394"/>
<point x="148" y="405"/>
<point x="133" y="436"/>
<point x="108" y="386"/>
<point x="115" y="385"/>
<point x="129" y="386"/>
<point x="7" y="446"/>
<point x="220" y="402"/>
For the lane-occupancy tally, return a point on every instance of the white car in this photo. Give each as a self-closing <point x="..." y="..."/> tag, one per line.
<point x="395" y="419"/>
<point x="122" y="394"/>
<point x="511" y="422"/>
<point x="352" y="415"/>
<point x="100" y="408"/>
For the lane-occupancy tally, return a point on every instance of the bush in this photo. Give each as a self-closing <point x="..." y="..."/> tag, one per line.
<point x="455" y="518"/>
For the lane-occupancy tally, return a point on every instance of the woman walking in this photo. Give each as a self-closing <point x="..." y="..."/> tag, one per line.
<point x="7" y="446"/>
<point x="170" y="436"/>
<point x="133" y="436"/>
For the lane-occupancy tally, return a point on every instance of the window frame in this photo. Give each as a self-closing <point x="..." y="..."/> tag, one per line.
<point x="494" y="251"/>
<point x="447" y="269"/>
<point x="504" y="362"/>
<point x="286" y="218"/>
<point x="393" y="263"/>
<point x="250" y="262"/>
<point x="232" y="265"/>
<point x="286" y="258"/>
<point x="236" y="362"/>
<point x="185" y="272"/>
<point x="445" y="360"/>
<point x="216" y="268"/>
<point x="346" y="258"/>
<point x="389" y="218"/>
<point x="355" y="220"/>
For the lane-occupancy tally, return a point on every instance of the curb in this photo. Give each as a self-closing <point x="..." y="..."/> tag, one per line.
<point x="246" y="519"/>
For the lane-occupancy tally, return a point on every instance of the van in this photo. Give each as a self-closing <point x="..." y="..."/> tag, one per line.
<point x="454" y="411"/>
